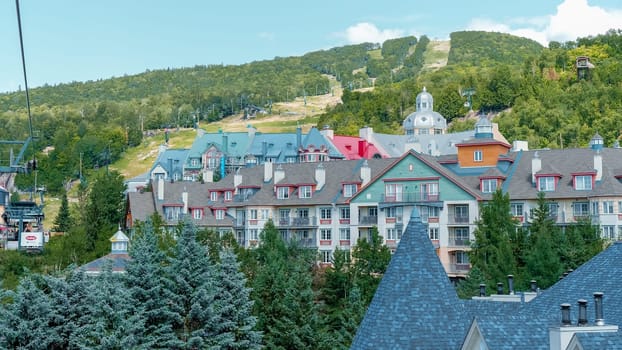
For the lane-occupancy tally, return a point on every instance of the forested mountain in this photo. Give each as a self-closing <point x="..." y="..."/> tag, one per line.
<point x="535" y="88"/>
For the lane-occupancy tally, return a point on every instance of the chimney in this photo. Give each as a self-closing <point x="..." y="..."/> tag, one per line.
<point x="598" y="304"/>
<point x="264" y="149"/>
<point x="320" y="177"/>
<point x="533" y="285"/>
<point x="362" y="148"/>
<point x="482" y="290"/>
<point x="160" y="188"/>
<point x="237" y="179"/>
<point x="184" y="199"/>
<point x="536" y="165"/>
<point x="279" y="174"/>
<point x="327" y="132"/>
<point x="169" y="171"/>
<point x="511" y="284"/>
<point x="298" y="137"/>
<point x="499" y="288"/>
<point x="366" y="133"/>
<point x="267" y="171"/>
<point x="365" y="173"/>
<point x="582" y="319"/>
<point x="598" y="165"/>
<point x="565" y="314"/>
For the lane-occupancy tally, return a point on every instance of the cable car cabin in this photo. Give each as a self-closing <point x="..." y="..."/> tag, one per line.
<point x="22" y="226"/>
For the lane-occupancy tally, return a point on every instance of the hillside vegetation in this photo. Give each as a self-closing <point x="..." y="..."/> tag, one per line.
<point x="98" y="122"/>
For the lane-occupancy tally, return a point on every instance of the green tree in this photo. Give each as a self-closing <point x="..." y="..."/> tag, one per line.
<point x="491" y="251"/>
<point x="469" y="287"/>
<point x="580" y="243"/>
<point x="104" y="208"/>
<point x="371" y="259"/>
<point x="63" y="221"/>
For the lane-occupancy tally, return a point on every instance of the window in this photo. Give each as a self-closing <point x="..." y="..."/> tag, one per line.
<point x="516" y="209"/>
<point x="172" y="213"/>
<point x="462" y="257"/>
<point x="349" y="190"/>
<point x="429" y="191"/>
<point x="265" y="214"/>
<point x="609" y="232"/>
<point x="608" y="207"/>
<point x="303" y="212"/>
<point x="620" y="207"/>
<point x="594" y="208"/>
<point x="391" y="234"/>
<point x="213" y="196"/>
<point x="462" y="233"/>
<point x="394" y="212"/>
<point x="325" y="213"/>
<point x="253" y="214"/>
<point x="583" y="182"/>
<point x="304" y="192"/>
<point x="478" y="156"/>
<point x="325" y="234"/>
<point x="546" y="183"/>
<point x="461" y="212"/>
<point x="284" y="214"/>
<point x="344" y="213"/>
<point x="433" y="212"/>
<point x="393" y="192"/>
<point x="433" y="232"/>
<point x="581" y="208"/>
<point x="220" y="214"/>
<point x="620" y="232"/>
<point x="253" y="234"/>
<point x="282" y="192"/>
<point x="197" y="214"/>
<point x="344" y="234"/>
<point x="552" y="207"/>
<point x="228" y="195"/>
<point x="326" y="256"/>
<point x="489" y="185"/>
<point x="194" y="162"/>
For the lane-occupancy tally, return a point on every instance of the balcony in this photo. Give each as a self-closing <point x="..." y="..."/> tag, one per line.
<point x="410" y="197"/>
<point x="458" y="219"/>
<point x="458" y="241"/>
<point x="304" y="240"/>
<point x="298" y="222"/>
<point x="368" y="220"/>
<point x="459" y="268"/>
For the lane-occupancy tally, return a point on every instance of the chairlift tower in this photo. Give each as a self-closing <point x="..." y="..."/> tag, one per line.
<point x="468" y="93"/>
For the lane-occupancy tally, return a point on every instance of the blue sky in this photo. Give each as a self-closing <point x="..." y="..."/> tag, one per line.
<point x="77" y="40"/>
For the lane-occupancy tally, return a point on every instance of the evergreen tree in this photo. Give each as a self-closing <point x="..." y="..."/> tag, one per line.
<point x="24" y="321"/>
<point x="469" y="287"/>
<point x="63" y="221"/>
<point x="104" y="209"/>
<point x="150" y="290"/>
<point x="580" y="242"/>
<point x="284" y="300"/>
<point x="193" y="290"/>
<point x="337" y="285"/>
<point x="491" y="252"/>
<point x="371" y="259"/>
<point x="543" y="260"/>
<point x="237" y="329"/>
<point x="349" y="319"/>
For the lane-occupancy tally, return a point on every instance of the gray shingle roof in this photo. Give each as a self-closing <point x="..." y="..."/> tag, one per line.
<point x="415" y="305"/>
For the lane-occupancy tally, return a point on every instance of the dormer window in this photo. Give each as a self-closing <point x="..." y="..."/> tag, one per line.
<point x="228" y="195"/>
<point x="478" y="156"/>
<point x="220" y="214"/>
<point x="546" y="183"/>
<point x="197" y="214"/>
<point x="213" y="196"/>
<point x="304" y="192"/>
<point x="583" y="182"/>
<point x="349" y="190"/>
<point x="489" y="185"/>
<point x="282" y="192"/>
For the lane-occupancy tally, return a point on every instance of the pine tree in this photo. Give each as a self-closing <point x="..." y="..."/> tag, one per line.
<point x="580" y="243"/>
<point x="469" y="287"/>
<point x="150" y="290"/>
<point x="543" y="261"/>
<point x="350" y="319"/>
<point x="492" y="252"/>
<point x="24" y="321"/>
<point x="63" y="221"/>
<point x="371" y="260"/>
<point x="237" y="329"/>
<point x="193" y="290"/>
<point x="284" y="300"/>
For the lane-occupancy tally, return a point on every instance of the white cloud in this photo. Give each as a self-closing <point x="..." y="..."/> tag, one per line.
<point x="368" y="32"/>
<point x="573" y="19"/>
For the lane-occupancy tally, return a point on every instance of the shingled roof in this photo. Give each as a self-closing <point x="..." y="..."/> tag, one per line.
<point x="415" y="305"/>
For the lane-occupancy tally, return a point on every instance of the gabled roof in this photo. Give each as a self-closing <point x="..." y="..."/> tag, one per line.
<point x="350" y="147"/>
<point x="140" y="205"/>
<point x="278" y="146"/>
<point x="171" y="160"/>
<point x="314" y="137"/>
<point x="415" y="305"/>
<point x="237" y="143"/>
<point x="566" y="162"/>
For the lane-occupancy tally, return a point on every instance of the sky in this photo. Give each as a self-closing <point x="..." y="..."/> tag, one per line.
<point x="77" y="40"/>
